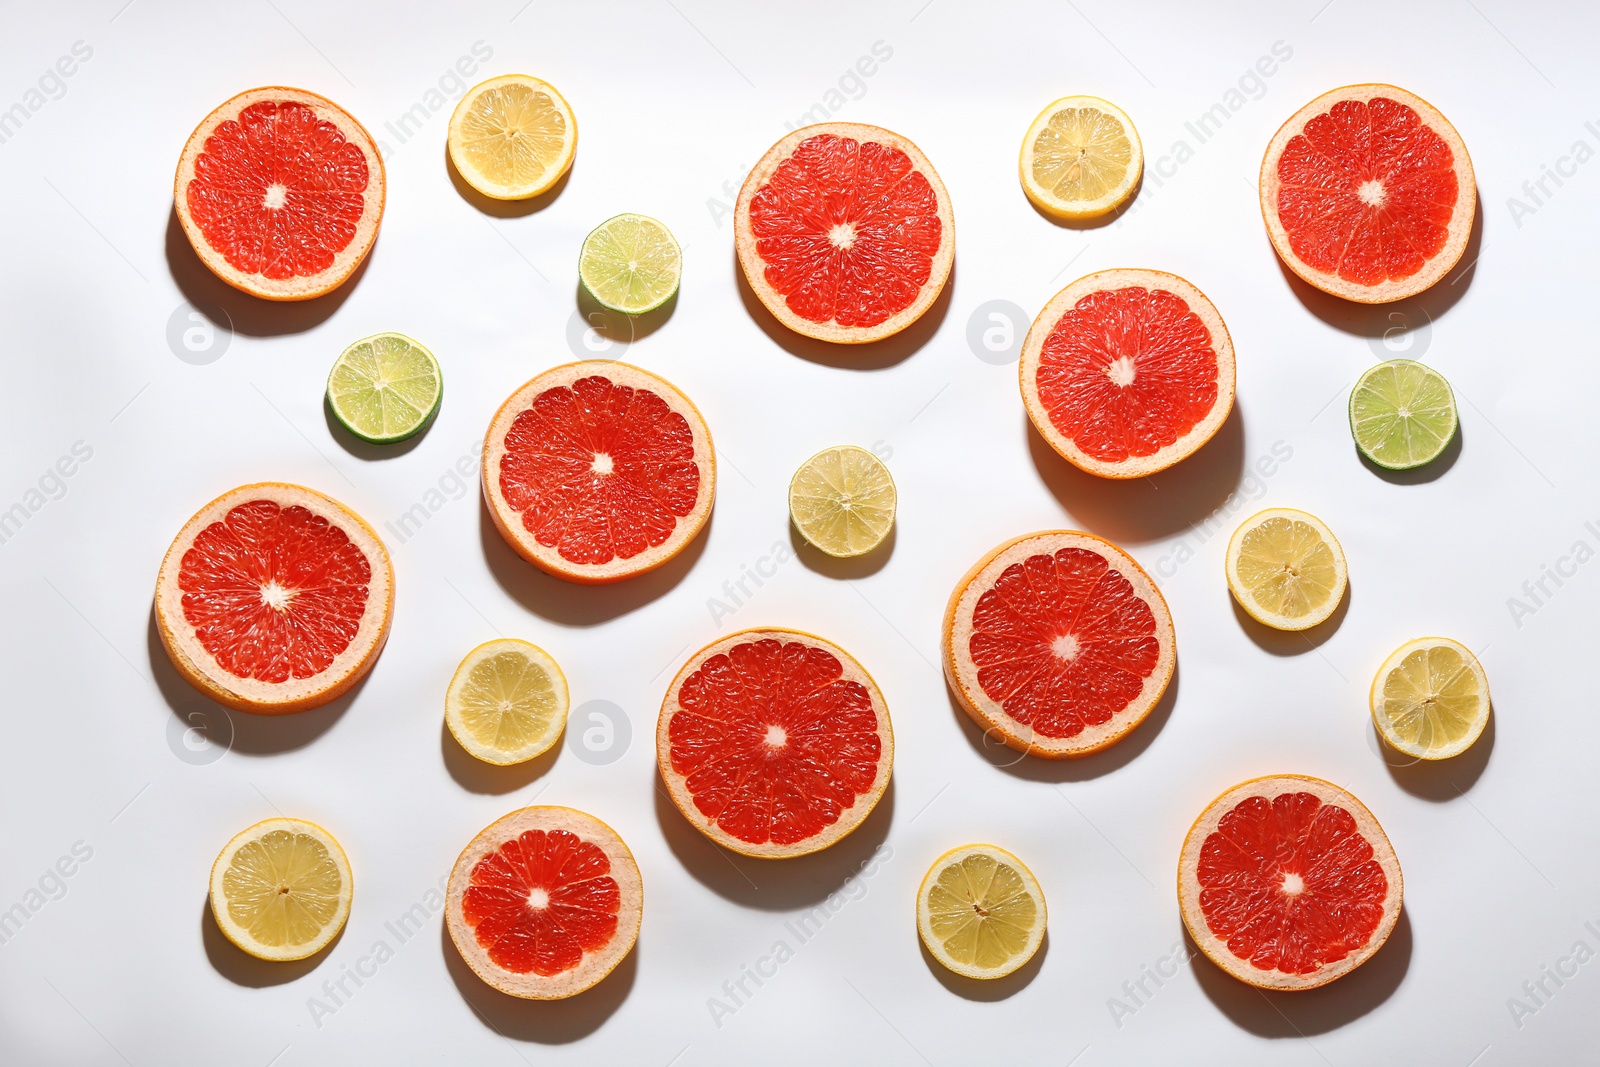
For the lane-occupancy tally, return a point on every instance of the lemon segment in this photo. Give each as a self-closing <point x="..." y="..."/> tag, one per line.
<point x="512" y="137"/>
<point x="1286" y="569"/>
<point x="980" y="911"/>
<point x="842" y="500"/>
<point x="507" y="702"/>
<point x="385" y="388"/>
<point x="1430" y="699"/>
<point x="631" y="264"/>
<point x="1081" y="158"/>
<point x="1402" y="414"/>
<point x="281" y="889"/>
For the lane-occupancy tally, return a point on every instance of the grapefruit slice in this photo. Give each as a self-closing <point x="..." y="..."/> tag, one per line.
<point x="1125" y="372"/>
<point x="1288" y="882"/>
<point x="774" y="743"/>
<point x="1368" y="193"/>
<point x="544" y="903"/>
<point x="274" y="598"/>
<point x="1058" y="643"/>
<point x="980" y="911"/>
<point x="280" y="890"/>
<point x="280" y="192"/>
<point x="844" y="232"/>
<point x="598" y="471"/>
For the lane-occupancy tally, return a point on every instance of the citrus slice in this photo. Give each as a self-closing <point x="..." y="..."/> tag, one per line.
<point x="544" y="903"/>
<point x="280" y="192"/>
<point x="598" y="471"/>
<point x="1286" y="569"/>
<point x="844" y="232"/>
<point x="842" y="501"/>
<point x="1368" y="193"/>
<point x="385" y="388"/>
<point x="507" y="702"/>
<point x="630" y="264"/>
<point x="1081" y="158"/>
<point x="274" y="598"/>
<point x="1402" y="414"/>
<point x="1288" y="882"/>
<point x="774" y="743"/>
<point x="1430" y="699"/>
<point x="980" y="911"/>
<point x="512" y="137"/>
<point x="1125" y="372"/>
<point x="1058" y="643"/>
<point x="280" y="889"/>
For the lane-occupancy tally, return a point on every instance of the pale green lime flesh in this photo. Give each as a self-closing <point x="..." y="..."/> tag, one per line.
<point x="630" y="264"/>
<point x="1402" y="414"/>
<point x="385" y="388"/>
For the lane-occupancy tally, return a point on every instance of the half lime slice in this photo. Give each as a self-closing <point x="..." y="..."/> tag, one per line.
<point x="1402" y="414"/>
<point x="630" y="264"/>
<point x="385" y="388"/>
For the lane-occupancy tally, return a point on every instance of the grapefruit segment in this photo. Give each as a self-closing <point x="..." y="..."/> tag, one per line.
<point x="544" y="903"/>
<point x="1368" y="193"/>
<point x="280" y="191"/>
<point x="774" y="743"/>
<point x="1288" y="882"/>
<point x="1058" y="643"/>
<point x="1125" y="372"/>
<point x="274" y="598"/>
<point x="598" y="471"/>
<point x="844" y="232"/>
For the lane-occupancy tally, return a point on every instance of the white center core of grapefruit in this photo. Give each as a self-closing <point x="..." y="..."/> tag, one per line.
<point x="842" y="236"/>
<point x="1120" y="371"/>
<point x="276" y="596"/>
<point x="1371" y="192"/>
<point x="538" y="898"/>
<point x="276" y="195"/>
<point x="777" y="736"/>
<point x="1293" y="884"/>
<point x="1065" y="647"/>
<point x="602" y="463"/>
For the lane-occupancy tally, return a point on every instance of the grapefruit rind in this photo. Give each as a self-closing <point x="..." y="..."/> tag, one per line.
<point x="347" y="259"/>
<point x="1459" y="230"/>
<point x="1114" y="198"/>
<point x="1386" y="730"/>
<point x="1122" y="278"/>
<point x="1254" y="609"/>
<point x="595" y="966"/>
<point x="753" y="266"/>
<point x="509" y="522"/>
<point x="454" y="718"/>
<point x="201" y="670"/>
<point x="240" y="937"/>
<point x="962" y="673"/>
<point x="849" y="819"/>
<point x="936" y="948"/>
<point x="1269" y="787"/>
<point x="482" y="182"/>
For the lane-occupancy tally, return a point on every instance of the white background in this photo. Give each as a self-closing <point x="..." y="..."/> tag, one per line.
<point x="673" y="101"/>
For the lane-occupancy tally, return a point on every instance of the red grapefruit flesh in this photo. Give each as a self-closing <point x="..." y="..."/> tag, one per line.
<point x="544" y="903"/>
<point x="774" y="743"/>
<point x="274" y="598"/>
<point x="280" y="191"/>
<point x="844" y="232"/>
<point x="1125" y="372"/>
<point x="1368" y="193"/>
<point x="1288" y="882"/>
<point x="598" y="471"/>
<point x="1058" y="644"/>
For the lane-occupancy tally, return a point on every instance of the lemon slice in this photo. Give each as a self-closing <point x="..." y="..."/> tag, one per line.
<point x="1286" y="569"/>
<point x="507" y="702"/>
<point x="630" y="263"/>
<point x="1081" y="158"/>
<point x="385" y="388"/>
<point x="280" y="890"/>
<point x="1402" y="414"/>
<point x="980" y="911"/>
<point x="842" y="501"/>
<point x="512" y="137"/>
<point x="1430" y="699"/>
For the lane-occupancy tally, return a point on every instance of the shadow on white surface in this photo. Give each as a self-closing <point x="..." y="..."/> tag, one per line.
<point x="850" y="569"/>
<point x="1098" y="222"/>
<point x="986" y="990"/>
<point x="1136" y="510"/>
<point x="772" y="885"/>
<point x="241" y="968"/>
<point x="1428" y="472"/>
<point x="476" y="776"/>
<point x="549" y="1022"/>
<point x="1303" y="1013"/>
<point x="617" y="326"/>
<point x="1292" y="642"/>
<point x="504" y="209"/>
<point x="1438" y="780"/>
<point x="366" y="450"/>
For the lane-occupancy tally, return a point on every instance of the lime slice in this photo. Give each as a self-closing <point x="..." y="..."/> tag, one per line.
<point x="1430" y="699"/>
<point x="1402" y="414"/>
<point x="842" y="501"/>
<point x="385" y="388"/>
<point x="630" y="264"/>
